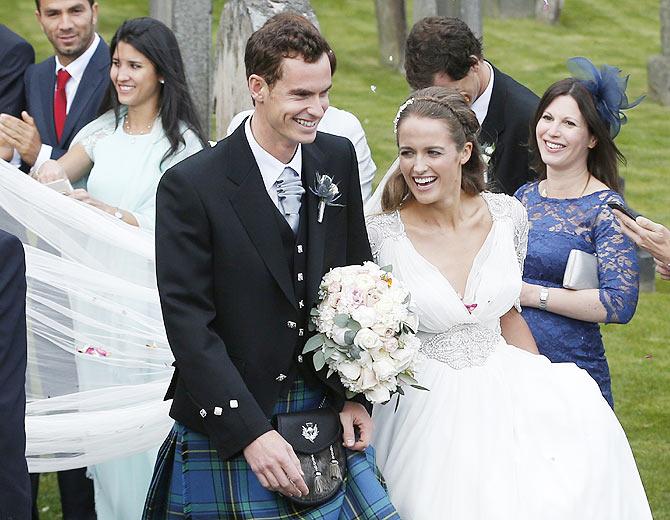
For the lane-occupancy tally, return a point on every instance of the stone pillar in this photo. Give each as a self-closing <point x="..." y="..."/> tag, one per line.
<point x="470" y="11"/>
<point x="191" y="21"/>
<point x="510" y="8"/>
<point x="239" y="19"/>
<point x="658" y="67"/>
<point x="392" y="31"/>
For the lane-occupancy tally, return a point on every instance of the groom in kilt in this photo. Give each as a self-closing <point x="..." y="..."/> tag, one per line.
<point x="241" y="248"/>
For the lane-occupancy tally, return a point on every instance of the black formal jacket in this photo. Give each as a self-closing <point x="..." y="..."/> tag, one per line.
<point x="40" y="82"/>
<point x="14" y="482"/>
<point x="226" y="289"/>
<point x="506" y="125"/>
<point x="16" y="55"/>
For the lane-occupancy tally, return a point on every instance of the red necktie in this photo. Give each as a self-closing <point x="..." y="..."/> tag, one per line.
<point x="60" y="101"/>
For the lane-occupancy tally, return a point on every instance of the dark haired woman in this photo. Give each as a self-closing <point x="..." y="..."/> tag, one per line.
<point x="148" y="125"/>
<point x="574" y="153"/>
<point x="502" y="432"/>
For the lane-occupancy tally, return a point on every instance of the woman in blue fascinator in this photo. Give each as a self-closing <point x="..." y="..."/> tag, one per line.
<point x="580" y="270"/>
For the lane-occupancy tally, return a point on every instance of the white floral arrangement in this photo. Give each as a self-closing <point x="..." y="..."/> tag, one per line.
<point x="365" y="331"/>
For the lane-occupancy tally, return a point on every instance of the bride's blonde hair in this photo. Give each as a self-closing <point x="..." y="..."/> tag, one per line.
<point x="450" y="106"/>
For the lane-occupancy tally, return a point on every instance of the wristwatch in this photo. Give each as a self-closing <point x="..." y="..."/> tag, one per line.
<point x="118" y="214"/>
<point x="544" y="297"/>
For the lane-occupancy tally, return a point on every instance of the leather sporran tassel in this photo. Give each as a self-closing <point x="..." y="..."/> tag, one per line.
<point x="319" y="483"/>
<point x="334" y="469"/>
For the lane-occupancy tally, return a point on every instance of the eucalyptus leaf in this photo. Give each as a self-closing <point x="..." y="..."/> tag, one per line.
<point x="314" y="312"/>
<point x="319" y="360"/>
<point x="313" y="343"/>
<point x="349" y="337"/>
<point x="355" y="352"/>
<point x="330" y="372"/>
<point x="341" y="320"/>
<point x="352" y="324"/>
<point x="349" y="393"/>
<point x="330" y="343"/>
<point x="419" y="387"/>
<point x="388" y="268"/>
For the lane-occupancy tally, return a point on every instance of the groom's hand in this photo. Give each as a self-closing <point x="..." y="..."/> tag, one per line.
<point x="355" y="416"/>
<point x="274" y="462"/>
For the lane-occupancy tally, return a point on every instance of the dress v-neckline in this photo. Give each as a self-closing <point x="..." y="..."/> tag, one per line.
<point x="475" y="259"/>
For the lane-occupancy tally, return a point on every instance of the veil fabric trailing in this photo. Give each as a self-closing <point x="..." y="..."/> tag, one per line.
<point x="98" y="358"/>
<point x="374" y="204"/>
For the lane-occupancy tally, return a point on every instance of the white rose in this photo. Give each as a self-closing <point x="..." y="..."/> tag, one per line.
<point x="378" y="394"/>
<point x="390" y="344"/>
<point x="384" y="368"/>
<point x="367" y="340"/>
<point x="367" y="379"/>
<point x="349" y="370"/>
<point x="365" y="316"/>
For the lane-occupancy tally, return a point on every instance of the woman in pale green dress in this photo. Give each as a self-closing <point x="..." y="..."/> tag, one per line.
<point x="148" y="124"/>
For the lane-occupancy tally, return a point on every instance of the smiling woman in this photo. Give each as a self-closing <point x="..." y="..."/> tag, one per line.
<point x="575" y="156"/>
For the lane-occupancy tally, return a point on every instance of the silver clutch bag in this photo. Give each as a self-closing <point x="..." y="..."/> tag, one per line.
<point x="581" y="271"/>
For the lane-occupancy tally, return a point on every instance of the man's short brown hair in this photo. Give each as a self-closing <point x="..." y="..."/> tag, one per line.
<point x="285" y="35"/>
<point x="37" y="3"/>
<point x="439" y="44"/>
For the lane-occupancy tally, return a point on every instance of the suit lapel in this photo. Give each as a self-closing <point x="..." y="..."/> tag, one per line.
<point x="256" y="211"/>
<point x="312" y="160"/>
<point x="47" y="84"/>
<point x="95" y="73"/>
<point x="494" y="122"/>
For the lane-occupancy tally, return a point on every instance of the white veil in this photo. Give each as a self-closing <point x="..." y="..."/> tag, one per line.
<point x="98" y="359"/>
<point x="374" y="204"/>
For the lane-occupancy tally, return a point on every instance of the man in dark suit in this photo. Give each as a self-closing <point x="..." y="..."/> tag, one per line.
<point x="238" y="269"/>
<point x="64" y="92"/>
<point x="14" y="482"/>
<point x="16" y="55"/>
<point x="444" y="52"/>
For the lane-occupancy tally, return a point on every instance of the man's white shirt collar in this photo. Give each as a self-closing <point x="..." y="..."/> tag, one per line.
<point x="481" y="105"/>
<point x="77" y="67"/>
<point x="271" y="167"/>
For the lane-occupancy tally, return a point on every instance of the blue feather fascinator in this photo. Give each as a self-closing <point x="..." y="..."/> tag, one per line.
<point x="608" y="91"/>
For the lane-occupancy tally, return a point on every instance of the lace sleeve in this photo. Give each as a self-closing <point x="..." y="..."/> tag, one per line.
<point x="520" y="220"/>
<point x="380" y="227"/>
<point x="618" y="269"/>
<point x="97" y="129"/>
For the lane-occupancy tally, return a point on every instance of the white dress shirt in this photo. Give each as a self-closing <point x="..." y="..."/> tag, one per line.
<point x="76" y="70"/>
<point x="344" y="124"/>
<point x="481" y="105"/>
<point x="271" y="167"/>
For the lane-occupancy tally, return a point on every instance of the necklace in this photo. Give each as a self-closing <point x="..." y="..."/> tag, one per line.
<point x="143" y="131"/>
<point x="544" y="191"/>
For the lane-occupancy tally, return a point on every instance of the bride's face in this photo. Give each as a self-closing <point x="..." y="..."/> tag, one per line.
<point x="430" y="162"/>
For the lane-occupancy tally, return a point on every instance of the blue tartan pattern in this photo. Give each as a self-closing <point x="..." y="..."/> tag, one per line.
<point x="191" y="481"/>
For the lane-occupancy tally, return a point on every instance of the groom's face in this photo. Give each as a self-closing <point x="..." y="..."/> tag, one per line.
<point x="289" y="111"/>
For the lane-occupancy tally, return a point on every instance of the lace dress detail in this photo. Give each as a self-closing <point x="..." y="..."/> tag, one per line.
<point x="380" y="227"/>
<point x="462" y="346"/>
<point x="556" y="227"/>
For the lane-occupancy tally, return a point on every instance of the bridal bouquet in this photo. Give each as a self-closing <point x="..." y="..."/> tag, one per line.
<point x="366" y="333"/>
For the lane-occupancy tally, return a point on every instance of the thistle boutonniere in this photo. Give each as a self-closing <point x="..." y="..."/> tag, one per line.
<point x="487" y="152"/>
<point x="327" y="191"/>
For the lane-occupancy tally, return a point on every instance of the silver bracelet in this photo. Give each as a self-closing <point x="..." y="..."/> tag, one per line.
<point x="544" y="298"/>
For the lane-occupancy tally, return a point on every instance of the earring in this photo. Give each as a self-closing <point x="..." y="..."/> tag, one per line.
<point x="161" y="81"/>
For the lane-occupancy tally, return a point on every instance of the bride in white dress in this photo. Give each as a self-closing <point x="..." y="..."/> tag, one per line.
<point x="502" y="433"/>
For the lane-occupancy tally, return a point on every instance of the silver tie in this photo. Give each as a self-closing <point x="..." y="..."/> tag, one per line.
<point x="289" y="192"/>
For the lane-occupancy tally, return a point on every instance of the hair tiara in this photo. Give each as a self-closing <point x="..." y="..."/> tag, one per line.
<point x="607" y="89"/>
<point x="430" y="99"/>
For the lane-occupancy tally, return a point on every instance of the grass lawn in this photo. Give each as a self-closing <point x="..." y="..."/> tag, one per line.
<point x="625" y="34"/>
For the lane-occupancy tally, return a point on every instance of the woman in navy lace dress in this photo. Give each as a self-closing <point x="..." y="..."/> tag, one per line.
<point x="576" y="159"/>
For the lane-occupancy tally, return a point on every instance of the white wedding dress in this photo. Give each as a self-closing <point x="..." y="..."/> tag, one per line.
<point x="501" y="434"/>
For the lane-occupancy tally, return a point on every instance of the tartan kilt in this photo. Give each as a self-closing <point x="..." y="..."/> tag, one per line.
<point x="191" y="481"/>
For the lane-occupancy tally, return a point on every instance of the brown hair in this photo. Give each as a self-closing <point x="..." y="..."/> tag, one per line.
<point x="450" y="106"/>
<point x="37" y="3"/>
<point x="602" y="160"/>
<point x="285" y="35"/>
<point x="438" y="44"/>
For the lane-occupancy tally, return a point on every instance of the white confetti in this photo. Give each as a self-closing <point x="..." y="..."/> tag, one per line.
<point x="390" y="58"/>
<point x="373" y="88"/>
